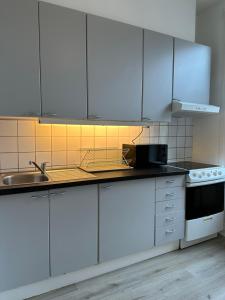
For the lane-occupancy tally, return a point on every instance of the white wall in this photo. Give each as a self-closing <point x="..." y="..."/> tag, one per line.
<point x="209" y="132"/>
<point x="174" y="17"/>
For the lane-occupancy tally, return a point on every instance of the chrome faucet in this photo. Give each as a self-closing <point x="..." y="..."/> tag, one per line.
<point x="41" y="168"/>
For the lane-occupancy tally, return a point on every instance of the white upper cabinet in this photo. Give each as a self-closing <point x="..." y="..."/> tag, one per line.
<point x="63" y="62"/>
<point x="158" y="76"/>
<point x="19" y="58"/>
<point x="192" y="65"/>
<point x="114" y="70"/>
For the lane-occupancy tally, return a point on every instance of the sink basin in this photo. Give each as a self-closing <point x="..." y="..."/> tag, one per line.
<point x="24" y="179"/>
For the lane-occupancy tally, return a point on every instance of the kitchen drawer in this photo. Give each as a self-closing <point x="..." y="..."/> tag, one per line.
<point x="169" y="206"/>
<point x="169" y="181"/>
<point x="170" y="233"/>
<point x="170" y="194"/>
<point x="170" y="219"/>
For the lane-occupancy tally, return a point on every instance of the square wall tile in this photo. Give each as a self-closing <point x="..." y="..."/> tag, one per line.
<point x="43" y="129"/>
<point x="87" y="130"/>
<point x="8" y="128"/>
<point x="26" y="127"/>
<point x="25" y="158"/>
<point x="189" y="130"/>
<point x="100" y="142"/>
<point x="164" y="130"/>
<point x="59" y="158"/>
<point x="59" y="130"/>
<point x="112" y="131"/>
<point x="181" y="131"/>
<point x="8" y="161"/>
<point x="73" y="130"/>
<point x="59" y="144"/>
<point x="26" y="144"/>
<point x="73" y="143"/>
<point x="180" y="153"/>
<point x="154" y="131"/>
<point x="112" y="142"/>
<point x="43" y="144"/>
<point x="172" y="153"/>
<point x="100" y="131"/>
<point x="44" y="157"/>
<point x="87" y="142"/>
<point x="173" y="130"/>
<point x="73" y="158"/>
<point x="8" y="144"/>
<point x="180" y="141"/>
<point x="124" y="131"/>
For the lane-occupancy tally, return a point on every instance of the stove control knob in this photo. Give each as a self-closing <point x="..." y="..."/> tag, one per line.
<point x="194" y="174"/>
<point x="220" y="173"/>
<point x="215" y="173"/>
<point x="199" y="176"/>
<point x="208" y="174"/>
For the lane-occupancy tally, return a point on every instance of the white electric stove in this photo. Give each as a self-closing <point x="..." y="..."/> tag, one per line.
<point x="204" y="210"/>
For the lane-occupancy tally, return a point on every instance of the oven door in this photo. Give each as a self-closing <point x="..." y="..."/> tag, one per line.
<point x="206" y="200"/>
<point x="204" y="211"/>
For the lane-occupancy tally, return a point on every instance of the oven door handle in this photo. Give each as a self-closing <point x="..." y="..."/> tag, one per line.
<point x="193" y="184"/>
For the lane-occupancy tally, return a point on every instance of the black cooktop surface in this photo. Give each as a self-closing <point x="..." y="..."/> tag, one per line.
<point x="191" y="165"/>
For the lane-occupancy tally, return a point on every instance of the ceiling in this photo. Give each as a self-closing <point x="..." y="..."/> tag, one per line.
<point x="202" y="4"/>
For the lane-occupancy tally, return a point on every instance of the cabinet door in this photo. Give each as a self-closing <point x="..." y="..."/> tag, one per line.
<point x="19" y="58"/>
<point x="158" y="73"/>
<point x="24" y="232"/>
<point x="126" y="221"/>
<point x="63" y="62"/>
<point x="191" y="72"/>
<point x="114" y="70"/>
<point x="73" y="229"/>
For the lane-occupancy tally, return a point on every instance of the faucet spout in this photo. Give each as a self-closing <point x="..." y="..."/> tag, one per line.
<point x="41" y="168"/>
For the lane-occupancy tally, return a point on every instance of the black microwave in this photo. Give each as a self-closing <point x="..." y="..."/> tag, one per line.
<point x="145" y="156"/>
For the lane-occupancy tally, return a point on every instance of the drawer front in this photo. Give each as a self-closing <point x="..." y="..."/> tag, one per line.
<point x="170" y="181"/>
<point x="170" y="233"/>
<point x="169" y="206"/>
<point x="170" y="194"/>
<point x="170" y="219"/>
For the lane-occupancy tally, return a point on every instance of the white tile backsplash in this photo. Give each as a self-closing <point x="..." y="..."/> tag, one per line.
<point x="65" y="145"/>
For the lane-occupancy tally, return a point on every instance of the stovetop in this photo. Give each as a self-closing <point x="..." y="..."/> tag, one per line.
<point x="199" y="172"/>
<point x="191" y="165"/>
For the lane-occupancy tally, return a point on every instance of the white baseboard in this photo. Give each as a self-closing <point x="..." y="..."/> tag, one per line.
<point x="72" y="278"/>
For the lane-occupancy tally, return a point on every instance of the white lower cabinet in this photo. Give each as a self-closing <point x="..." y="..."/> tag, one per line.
<point x="126" y="218"/>
<point x="24" y="239"/>
<point x="73" y="228"/>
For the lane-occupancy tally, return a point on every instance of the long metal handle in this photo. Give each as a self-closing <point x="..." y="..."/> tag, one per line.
<point x="57" y="194"/>
<point x="94" y="117"/>
<point x="170" y="181"/>
<point x="170" y="230"/>
<point x="169" y="206"/>
<point x="169" y="219"/>
<point x="105" y="187"/>
<point x="170" y="194"/>
<point x="49" y="115"/>
<point x="146" y="119"/>
<point x="39" y="196"/>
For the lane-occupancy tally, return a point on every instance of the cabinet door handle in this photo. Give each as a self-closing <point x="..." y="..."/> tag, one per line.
<point x="170" y="181"/>
<point x="39" y="196"/>
<point x="32" y="114"/>
<point x="146" y="119"/>
<point x="169" y="206"/>
<point x="49" y="115"/>
<point x="170" y="194"/>
<point x="94" y="117"/>
<point x="169" y="219"/>
<point x="57" y="194"/>
<point x="170" y="231"/>
<point x="105" y="187"/>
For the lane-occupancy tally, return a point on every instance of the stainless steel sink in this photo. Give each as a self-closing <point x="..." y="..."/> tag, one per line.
<point x="24" y="179"/>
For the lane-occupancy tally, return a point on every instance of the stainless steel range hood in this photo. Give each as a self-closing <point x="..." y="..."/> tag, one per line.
<point x="180" y="108"/>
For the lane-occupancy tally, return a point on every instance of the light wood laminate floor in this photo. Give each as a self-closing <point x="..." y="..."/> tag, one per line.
<point x="194" y="273"/>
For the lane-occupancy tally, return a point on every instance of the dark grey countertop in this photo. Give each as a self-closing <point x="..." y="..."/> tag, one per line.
<point x="100" y="177"/>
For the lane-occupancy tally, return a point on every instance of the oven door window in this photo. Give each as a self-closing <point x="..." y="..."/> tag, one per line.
<point x="204" y="200"/>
